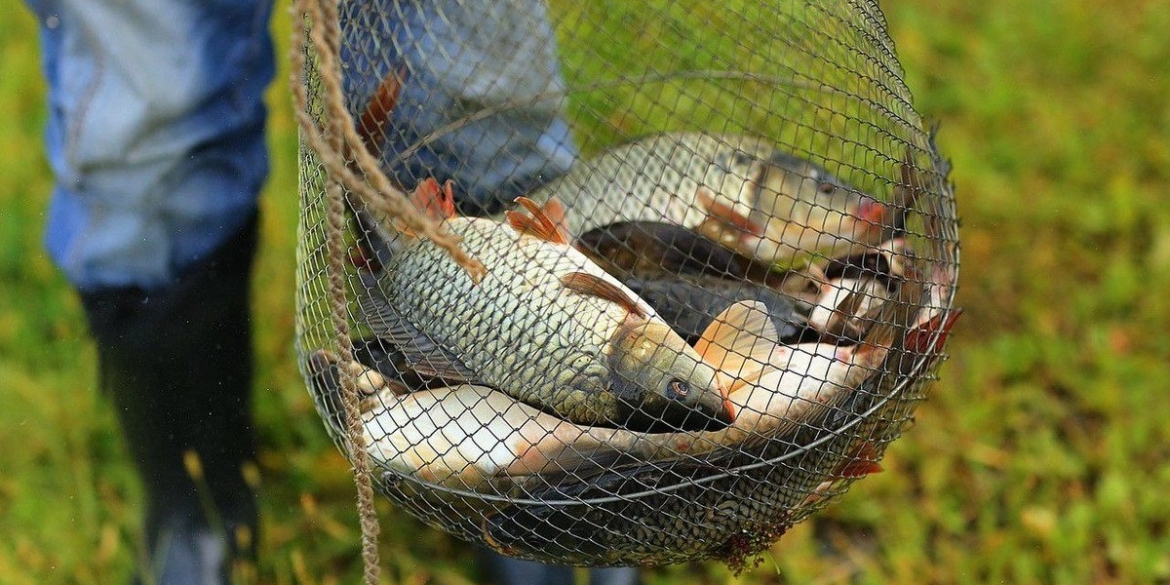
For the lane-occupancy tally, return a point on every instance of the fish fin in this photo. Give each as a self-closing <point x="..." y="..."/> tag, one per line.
<point x="383" y="243"/>
<point x="741" y="338"/>
<point x="589" y="284"/>
<point x="521" y="223"/>
<point x="324" y="368"/>
<point x="540" y="224"/>
<point x="873" y="211"/>
<point x="922" y="338"/>
<point x="727" y="215"/>
<point x="371" y="125"/>
<point x="433" y="200"/>
<point x="362" y="258"/>
<point x="425" y="356"/>
<point x="861" y="461"/>
<point x="892" y="321"/>
<point x="555" y="211"/>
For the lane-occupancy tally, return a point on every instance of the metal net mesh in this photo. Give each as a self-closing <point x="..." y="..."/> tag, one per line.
<point x="730" y="280"/>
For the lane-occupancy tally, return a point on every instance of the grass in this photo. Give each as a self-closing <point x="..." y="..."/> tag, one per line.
<point x="1040" y="457"/>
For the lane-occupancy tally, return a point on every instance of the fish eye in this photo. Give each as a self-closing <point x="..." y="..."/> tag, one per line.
<point x="827" y="188"/>
<point x="678" y="389"/>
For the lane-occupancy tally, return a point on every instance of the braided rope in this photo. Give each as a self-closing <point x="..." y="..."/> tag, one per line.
<point x="390" y="201"/>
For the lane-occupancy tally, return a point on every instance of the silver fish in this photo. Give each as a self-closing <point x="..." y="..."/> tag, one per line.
<point x="474" y="438"/>
<point x="857" y="288"/>
<point x="739" y="190"/>
<point x="545" y="325"/>
<point x="690" y="509"/>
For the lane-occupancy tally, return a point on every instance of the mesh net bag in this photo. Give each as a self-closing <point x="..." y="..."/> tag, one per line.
<point x="718" y="254"/>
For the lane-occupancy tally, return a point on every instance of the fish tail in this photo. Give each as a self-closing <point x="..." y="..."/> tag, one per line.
<point x="861" y="461"/>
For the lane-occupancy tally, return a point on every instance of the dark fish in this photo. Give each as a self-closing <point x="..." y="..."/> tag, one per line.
<point x="648" y="249"/>
<point x="688" y="278"/>
<point x="689" y="303"/>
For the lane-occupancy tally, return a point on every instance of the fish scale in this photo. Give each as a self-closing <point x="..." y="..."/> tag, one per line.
<point x="517" y="330"/>
<point x="545" y="325"/>
<point x="656" y="179"/>
<point x="741" y="191"/>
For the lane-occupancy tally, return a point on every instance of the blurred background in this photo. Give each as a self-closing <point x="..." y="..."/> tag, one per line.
<point x="1042" y="456"/>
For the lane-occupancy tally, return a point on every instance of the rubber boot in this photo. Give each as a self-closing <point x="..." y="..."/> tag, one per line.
<point x="504" y="570"/>
<point x="177" y="365"/>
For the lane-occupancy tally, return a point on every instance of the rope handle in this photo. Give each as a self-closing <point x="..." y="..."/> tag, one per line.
<point x="375" y="190"/>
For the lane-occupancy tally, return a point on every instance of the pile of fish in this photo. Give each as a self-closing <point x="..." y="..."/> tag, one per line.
<point x="657" y="361"/>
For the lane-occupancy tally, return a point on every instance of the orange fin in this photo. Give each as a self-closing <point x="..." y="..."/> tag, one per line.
<point x="540" y="224"/>
<point x="433" y="200"/>
<point x="588" y="284"/>
<point x="371" y="125"/>
<point x="858" y="468"/>
<point x="725" y="214"/>
<point x="860" y="462"/>
<point x="740" y="340"/>
<point x="873" y="211"/>
<point x="555" y="210"/>
<point x="919" y="339"/>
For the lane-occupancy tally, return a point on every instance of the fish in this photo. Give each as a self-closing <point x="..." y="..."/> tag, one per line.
<point x="730" y="505"/>
<point x="741" y="191"/>
<point x="323" y="372"/>
<point x="689" y="278"/>
<point x="545" y="325"/>
<point x="473" y="437"/>
<point x="650" y="249"/>
<point x="775" y="388"/>
<point x="391" y="363"/>
<point x="856" y="289"/>
<point x="689" y="303"/>
<point x="464" y="436"/>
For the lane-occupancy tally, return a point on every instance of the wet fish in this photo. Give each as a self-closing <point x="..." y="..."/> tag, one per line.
<point x="463" y="437"/>
<point x="729" y="505"/>
<point x="857" y="288"/>
<point x="775" y="388"/>
<point x="545" y="325"/>
<point x="688" y="278"/>
<point x="472" y="437"/>
<point x="739" y="190"/>
<point x="689" y="303"/>
<point x="647" y="250"/>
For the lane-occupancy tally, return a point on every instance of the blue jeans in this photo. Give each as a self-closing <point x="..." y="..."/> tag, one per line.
<point x="156" y="117"/>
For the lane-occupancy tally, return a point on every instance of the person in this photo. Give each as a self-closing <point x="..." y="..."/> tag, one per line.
<point x="156" y="140"/>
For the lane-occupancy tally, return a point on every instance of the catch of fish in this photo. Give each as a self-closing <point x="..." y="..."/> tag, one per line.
<point x="673" y="309"/>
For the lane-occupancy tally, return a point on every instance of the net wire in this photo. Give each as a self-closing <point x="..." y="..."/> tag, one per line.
<point x="755" y="164"/>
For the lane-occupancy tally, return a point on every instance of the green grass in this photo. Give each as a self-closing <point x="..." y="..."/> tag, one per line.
<point x="1041" y="456"/>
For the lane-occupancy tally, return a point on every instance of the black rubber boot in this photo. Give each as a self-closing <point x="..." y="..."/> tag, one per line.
<point x="177" y="364"/>
<point x="504" y="570"/>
